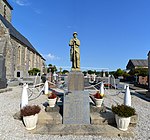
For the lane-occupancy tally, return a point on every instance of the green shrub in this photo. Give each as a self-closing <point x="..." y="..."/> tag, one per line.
<point x="34" y="71"/>
<point x="123" y="110"/>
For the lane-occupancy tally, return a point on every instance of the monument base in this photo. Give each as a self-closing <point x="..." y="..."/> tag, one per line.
<point x="75" y="81"/>
<point x="76" y="69"/>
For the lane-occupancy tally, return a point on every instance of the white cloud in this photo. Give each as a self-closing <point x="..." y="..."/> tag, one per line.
<point x="22" y="2"/>
<point x="51" y="57"/>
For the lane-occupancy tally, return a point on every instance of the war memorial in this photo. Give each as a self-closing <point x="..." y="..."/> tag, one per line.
<point x="75" y="109"/>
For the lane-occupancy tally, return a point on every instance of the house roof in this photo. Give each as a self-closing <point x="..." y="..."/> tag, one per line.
<point x="139" y="62"/>
<point x="8" y="4"/>
<point x="14" y="33"/>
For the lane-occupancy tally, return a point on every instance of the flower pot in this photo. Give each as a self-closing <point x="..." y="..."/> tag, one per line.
<point x="30" y="121"/>
<point x="52" y="102"/>
<point x="98" y="102"/>
<point x="122" y="123"/>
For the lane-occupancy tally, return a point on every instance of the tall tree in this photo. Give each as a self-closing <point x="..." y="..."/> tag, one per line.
<point x="52" y="68"/>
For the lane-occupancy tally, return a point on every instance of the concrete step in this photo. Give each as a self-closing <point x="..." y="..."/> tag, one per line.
<point x="5" y="89"/>
<point x="105" y="118"/>
<point x="101" y="130"/>
<point x="49" y="118"/>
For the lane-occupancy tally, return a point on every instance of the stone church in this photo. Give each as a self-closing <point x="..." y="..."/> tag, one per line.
<point x="18" y="53"/>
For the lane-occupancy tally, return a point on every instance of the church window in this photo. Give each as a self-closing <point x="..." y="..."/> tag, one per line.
<point x="4" y="11"/>
<point x="18" y="74"/>
<point x="19" y="55"/>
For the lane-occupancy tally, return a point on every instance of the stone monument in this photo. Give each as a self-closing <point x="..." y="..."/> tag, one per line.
<point x="76" y="109"/>
<point x="75" y="77"/>
<point x="3" y="80"/>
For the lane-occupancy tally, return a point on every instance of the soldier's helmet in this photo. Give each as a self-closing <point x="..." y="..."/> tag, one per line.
<point x="75" y="33"/>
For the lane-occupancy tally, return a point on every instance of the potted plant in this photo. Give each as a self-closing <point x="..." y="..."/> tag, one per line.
<point x="52" y="99"/>
<point x="29" y="114"/>
<point x="98" y="99"/>
<point x="123" y="115"/>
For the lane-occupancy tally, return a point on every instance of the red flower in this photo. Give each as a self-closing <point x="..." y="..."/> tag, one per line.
<point x="52" y="96"/>
<point x="98" y="96"/>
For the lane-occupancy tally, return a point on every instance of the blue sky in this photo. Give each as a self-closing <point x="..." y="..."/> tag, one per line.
<point x="111" y="31"/>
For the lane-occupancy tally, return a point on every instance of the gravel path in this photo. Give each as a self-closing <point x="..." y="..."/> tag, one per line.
<point x="11" y="129"/>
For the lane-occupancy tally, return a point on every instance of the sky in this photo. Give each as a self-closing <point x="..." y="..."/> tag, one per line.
<point x="110" y="31"/>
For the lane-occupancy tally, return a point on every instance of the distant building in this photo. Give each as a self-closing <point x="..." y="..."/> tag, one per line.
<point x="148" y="93"/>
<point x="137" y="63"/>
<point x="20" y="56"/>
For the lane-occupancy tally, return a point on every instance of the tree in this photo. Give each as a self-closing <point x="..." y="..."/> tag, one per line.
<point x="91" y="71"/>
<point x="51" y="68"/>
<point x="65" y="71"/>
<point x="139" y="72"/>
<point x="34" y="71"/>
<point x="125" y="75"/>
<point x="143" y="72"/>
<point x="118" y="73"/>
<point x="84" y="72"/>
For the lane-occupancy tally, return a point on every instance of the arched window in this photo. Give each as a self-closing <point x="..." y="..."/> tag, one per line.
<point x="4" y="11"/>
<point x="19" y="55"/>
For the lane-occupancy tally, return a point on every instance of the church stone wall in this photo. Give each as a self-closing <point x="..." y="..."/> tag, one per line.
<point x="18" y="57"/>
<point x="25" y="59"/>
<point x="9" y="63"/>
<point x="5" y="11"/>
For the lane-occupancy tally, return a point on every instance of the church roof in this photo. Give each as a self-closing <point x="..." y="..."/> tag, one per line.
<point x="8" y="4"/>
<point x="13" y="32"/>
<point x="140" y="62"/>
<point x="137" y="63"/>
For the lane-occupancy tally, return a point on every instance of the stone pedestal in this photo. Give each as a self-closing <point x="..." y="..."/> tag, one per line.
<point x="75" y="81"/>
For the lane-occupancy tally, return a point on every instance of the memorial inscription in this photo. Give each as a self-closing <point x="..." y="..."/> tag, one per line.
<point x="76" y="108"/>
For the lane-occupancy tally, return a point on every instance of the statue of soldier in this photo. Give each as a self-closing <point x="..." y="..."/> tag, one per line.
<point x="75" y="52"/>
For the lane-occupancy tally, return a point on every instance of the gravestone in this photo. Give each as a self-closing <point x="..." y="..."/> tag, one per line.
<point x="76" y="109"/>
<point x="75" y="81"/>
<point x="3" y="81"/>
